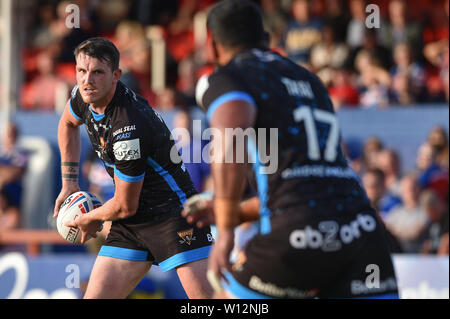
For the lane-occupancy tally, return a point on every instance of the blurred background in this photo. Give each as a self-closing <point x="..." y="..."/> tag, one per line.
<point x="389" y="85"/>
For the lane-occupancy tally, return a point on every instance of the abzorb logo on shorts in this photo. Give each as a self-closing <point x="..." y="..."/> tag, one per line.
<point x="127" y="150"/>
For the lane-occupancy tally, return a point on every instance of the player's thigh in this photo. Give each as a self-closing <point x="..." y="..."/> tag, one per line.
<point x="193" y="278"/>
<point x="115" y="278"/>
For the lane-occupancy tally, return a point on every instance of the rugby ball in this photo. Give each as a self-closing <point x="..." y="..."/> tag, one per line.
<point x="75" y="205"/>
<point x="192" y="203"/>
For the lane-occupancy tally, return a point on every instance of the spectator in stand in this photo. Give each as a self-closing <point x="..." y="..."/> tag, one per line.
<point x="356" y="27"/>
<point x="400" y="29"/>
<point x="437" y="227"/>
<point x="342" y="91"/>
<point x="47" y="91"/>
<point x="13" y="163"/>
<point x="187" y="79"/>
<point x="68" y="38"/>
<point x="431" y="174"/>
<point x="401" y="90"/>
<point x="410" y="71"/>
<point x="435" y="24"/>
<point x="190" y="148"/>
<point x="372" y="45"/>
<point x="335" y="15"/>
<point x="438" y="140"/>
<point x="180" y="36"/>
<point x="128" y="34"/>
<point x="135" y="58"/>
<point x="389" y="162"/>
<point x="407" y="221"/>
<point x="275" y="20"/>
<point x="327" y="54"/>
<point x="302" y="32"/>
<point x="371" y="149"/>
<point x="374" y="81"/>
<point x="437" y="53"/>
<point x="380" y="198"/>
<point x="42" y="35"/>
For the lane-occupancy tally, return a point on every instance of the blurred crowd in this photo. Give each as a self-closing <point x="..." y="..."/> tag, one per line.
<point x="412" y="204"/>
<point x="401" y="61"/>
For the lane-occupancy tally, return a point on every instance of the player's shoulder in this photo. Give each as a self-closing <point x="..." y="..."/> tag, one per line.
<point x="224" y="82"/>
<point x="77" y="106"/>
<point x="133" y="112"/>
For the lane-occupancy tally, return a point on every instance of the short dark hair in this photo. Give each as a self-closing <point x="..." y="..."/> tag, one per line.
<point x="102" y="49"/>
<point x="237" y="23"/>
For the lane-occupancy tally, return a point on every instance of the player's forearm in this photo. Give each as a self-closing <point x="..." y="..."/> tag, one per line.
<point x="249" y="210"/>
<point x="229" y="179"/>
<point x="69" y="143"/>
<point x="110" y="211"/>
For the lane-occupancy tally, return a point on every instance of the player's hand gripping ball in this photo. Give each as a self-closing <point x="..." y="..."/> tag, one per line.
<point x="195" y="203"/>
<point x="75" y="205"/>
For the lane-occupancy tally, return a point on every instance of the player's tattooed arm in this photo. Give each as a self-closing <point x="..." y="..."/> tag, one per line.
<point x="69" y="171"/>
<point x="69" y="142"/>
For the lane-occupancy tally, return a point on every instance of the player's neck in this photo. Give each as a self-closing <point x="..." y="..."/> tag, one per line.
<point x="227" y="54"/>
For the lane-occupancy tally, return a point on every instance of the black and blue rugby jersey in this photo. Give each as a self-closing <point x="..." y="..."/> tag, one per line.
<point x="135" y="144"/>
<point x="308" y="169"/>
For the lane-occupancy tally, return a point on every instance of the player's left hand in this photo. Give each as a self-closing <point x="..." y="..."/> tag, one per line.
<point x="87" y="226"/>
<point x="219" y="259"/>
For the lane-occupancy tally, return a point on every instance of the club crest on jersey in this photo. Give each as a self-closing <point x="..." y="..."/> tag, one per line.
<point x="102" y="143"/>
<point x="186" y="236"/>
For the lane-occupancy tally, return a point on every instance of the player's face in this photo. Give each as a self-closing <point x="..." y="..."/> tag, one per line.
<point x="95" y="79"/>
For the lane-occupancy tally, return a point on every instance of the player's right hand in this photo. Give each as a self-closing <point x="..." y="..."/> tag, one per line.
<point x="199" y="211"/>
<point x="65" y="192"/>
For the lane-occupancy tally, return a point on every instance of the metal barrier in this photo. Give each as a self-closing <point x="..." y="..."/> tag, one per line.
<point x="33" y="239"/>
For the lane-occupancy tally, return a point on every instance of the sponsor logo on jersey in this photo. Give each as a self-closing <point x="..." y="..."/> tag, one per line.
<point x="330" y="236"/>
<point x="187" y="236"/>
<point x="127" y="150"/>
<point x="271" y="289"/>
<point x="124" y="129"/>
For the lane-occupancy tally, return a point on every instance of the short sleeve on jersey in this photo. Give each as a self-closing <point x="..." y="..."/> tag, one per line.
<point x="130" y="153"/>
<point x="215" y="90"/>
<point x="76" y="104"/>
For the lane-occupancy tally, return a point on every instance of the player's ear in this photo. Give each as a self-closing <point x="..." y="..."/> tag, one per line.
<point x="215" y="52"/>
<point x="116" y="75"/>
